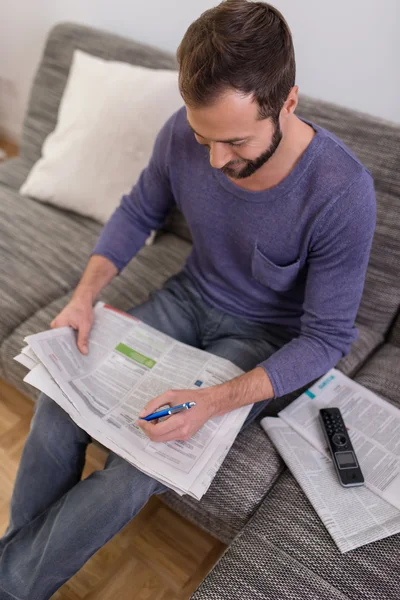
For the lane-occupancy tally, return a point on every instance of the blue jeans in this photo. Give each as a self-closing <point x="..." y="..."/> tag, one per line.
<point x="57" y="520"/>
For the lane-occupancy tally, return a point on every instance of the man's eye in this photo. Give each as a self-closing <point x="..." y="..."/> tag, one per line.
<point x="236" y="144"/>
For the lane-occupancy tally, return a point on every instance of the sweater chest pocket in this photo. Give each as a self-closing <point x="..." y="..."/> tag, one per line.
<point x="271" y="275"/>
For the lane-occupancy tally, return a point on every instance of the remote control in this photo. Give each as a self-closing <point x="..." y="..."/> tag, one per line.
<point x="341" y="449"/>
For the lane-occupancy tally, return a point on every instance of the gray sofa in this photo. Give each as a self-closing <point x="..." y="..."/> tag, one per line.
<point x="278" y="548"/>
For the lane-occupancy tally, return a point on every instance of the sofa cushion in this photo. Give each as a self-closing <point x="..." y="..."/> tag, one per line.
<point x="50" y="81"/>
<point x="43" y="252"/>
<point x="377" y="144"/>
<point x="286" y="553"/>
<point x="381" y="374"/>
<point x="13" y="172"/>
<point x="394" y="337"/>
<point x="51" y="78"/>
<point x="217" y="511"/>
<point x="361" y="350"/>
<point x="247" y="474"/>
<point x="146" y="272"/>
<point x="104" y="136"/>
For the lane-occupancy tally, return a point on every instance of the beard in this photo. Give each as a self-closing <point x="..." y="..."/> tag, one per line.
<point x="251" y="166"/>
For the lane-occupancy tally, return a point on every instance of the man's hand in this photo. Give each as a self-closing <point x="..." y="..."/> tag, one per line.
<point x="78" y="314"/>
<point x="210" y="402"/>
<point x="182" y="425"/>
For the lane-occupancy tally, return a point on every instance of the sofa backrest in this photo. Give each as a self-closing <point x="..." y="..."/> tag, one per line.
<point x="395" y="333"/>
<point x="375" y="142"/>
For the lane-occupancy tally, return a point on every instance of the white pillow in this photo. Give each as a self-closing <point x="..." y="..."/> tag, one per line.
<point x="108" y="120"/>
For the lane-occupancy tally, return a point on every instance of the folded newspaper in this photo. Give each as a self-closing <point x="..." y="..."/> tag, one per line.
<point x="359" y="515"/>
<point x="128" y="364"/>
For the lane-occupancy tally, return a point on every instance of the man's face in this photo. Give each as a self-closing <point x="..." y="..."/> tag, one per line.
<point x="238" y="143"/>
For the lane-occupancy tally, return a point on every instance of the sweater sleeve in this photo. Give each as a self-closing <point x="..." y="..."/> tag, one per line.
<point x="337" y="263"/>
<point x="143" y="209"/>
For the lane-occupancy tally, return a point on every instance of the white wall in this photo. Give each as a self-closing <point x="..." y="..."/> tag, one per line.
<point x="346" y="49"/>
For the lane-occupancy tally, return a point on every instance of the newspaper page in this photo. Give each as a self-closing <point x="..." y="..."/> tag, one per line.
<point x="41" y="379"/>
<point x="354" y="516"/>
<point x="128" y="364"/>
<point x="373" y="424"/>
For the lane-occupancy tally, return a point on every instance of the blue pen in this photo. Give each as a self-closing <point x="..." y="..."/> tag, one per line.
<point x="168" y="411"/>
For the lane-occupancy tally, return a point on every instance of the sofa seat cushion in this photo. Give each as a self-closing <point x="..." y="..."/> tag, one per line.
<point x="35" y="308"/>
<point x="286" y="553"/>
<point x="13" y="172"/>
<point x="217" y="511"/>
<point x="247" y="474"/>
<point x="381" y="374"/>
<point x="43" y="251"/>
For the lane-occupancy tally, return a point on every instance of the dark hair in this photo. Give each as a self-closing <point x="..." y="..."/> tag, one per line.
<point x="242" y="45"/>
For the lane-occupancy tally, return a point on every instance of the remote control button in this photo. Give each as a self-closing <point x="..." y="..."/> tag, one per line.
<point x="339" y="439"/>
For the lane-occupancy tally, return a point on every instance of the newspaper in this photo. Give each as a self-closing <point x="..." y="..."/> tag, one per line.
<point x="353" y="516"/>
<point x="128" y="364"/>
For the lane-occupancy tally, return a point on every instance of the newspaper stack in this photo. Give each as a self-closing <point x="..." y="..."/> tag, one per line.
<point x="128" y="364"/>
<point x="354" y="516"/>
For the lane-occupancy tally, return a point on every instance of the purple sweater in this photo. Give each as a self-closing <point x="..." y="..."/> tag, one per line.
<point x="294" y="255"/>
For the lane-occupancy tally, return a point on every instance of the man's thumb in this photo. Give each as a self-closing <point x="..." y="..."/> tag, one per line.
<point x="83" y="336"/>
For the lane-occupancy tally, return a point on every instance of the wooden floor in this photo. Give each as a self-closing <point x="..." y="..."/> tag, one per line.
<point x="158" y="556"/>
<point x="10" y="148"/>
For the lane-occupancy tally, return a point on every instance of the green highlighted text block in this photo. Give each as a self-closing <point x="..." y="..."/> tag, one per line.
<point x="136" y="356"/>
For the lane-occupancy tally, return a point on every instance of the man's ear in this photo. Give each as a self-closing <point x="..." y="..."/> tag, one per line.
<point x="292" y="100"/>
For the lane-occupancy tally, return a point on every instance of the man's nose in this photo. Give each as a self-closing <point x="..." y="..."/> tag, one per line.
<point x="220" y="155"/>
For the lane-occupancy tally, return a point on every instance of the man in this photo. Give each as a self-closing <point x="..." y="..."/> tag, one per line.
<point x="282" y="216"/>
